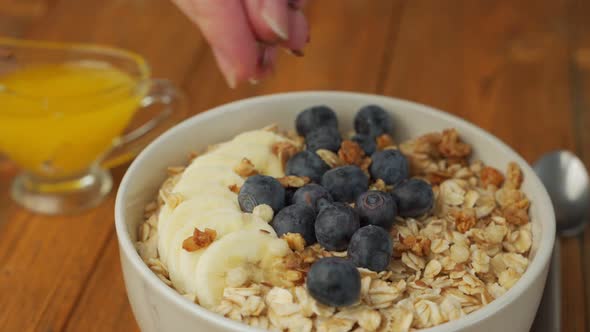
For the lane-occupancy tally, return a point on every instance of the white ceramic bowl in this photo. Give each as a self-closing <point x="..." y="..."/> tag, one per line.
<point x="159" y="308"/>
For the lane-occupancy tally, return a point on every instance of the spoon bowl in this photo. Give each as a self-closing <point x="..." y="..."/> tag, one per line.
<point x="568" y="185"/>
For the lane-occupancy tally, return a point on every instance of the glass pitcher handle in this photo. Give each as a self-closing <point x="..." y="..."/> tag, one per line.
<point x="126" y="147"/>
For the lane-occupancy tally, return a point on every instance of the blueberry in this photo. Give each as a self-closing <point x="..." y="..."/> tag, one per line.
<point x="371" y="247"/>
<point x="390" y="166"/>
<point x="376" y="208"/>
<point x="414" y="197"/>
<point x="335" y="225"/>
<point x="296" y="218"/>
<point x="366" y="142"/>
<point x="334" y="281"/>
<point x="373" y="121"/>
<point x="323" y="138"/>
<point x="315" y="117"/>
<point x="261" y="189"/>
<point x="345" y="183"/>
<point x="310" y="194"/>
<point x="307" y="163"/>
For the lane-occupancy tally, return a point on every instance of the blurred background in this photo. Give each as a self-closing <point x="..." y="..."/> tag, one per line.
<point x="519" y="69"/>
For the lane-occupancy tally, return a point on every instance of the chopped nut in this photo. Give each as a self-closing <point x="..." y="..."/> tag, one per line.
<point x="379" y="185"/>
<point x="513" y="176"/>
<point x="264" y="212"/>
<point x="199" y="239"/>
<point x="330" y="158"/>
<point x="292" y="181"/>
<point x="451" y="146"/>
<point x="384" y="141"/>
<point x="418" y="245"/>
<point x="351" y="152"/>
<point x="365" y="164"/>
<point x="295" y="241"/>
<point x="438" y="177"/>
<point x="515" y="216"/>
<point x="245" y="168"/>
<point x="234" y="188"/>
<point x="284" y="151"/>
<point x="464" y="220"/>
<point x="491" y="176"/>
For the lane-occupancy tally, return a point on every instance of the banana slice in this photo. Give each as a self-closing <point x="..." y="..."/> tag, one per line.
<point x="189" y="213"/>
<point x="223" y="221"/>
<point x="182" y="264"/>
<point x="251" y="251"/>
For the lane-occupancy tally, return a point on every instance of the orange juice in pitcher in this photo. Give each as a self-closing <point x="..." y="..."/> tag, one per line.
<point x="63" y="109"/>
<point x="86" y="105"/>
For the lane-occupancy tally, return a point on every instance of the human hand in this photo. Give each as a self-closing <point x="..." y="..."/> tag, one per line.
<point x="245" y="34"/>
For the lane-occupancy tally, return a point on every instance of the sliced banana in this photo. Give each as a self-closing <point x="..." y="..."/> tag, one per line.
<point x="250" y="251"/>
<point x="188" y="213"/>
<point x="209" y="203"/>
<point x="182" y="263"/>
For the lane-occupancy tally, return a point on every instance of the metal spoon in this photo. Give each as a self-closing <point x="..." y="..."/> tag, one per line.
<point x="566" y="181"/>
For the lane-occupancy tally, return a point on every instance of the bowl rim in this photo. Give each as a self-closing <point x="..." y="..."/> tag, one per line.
<point x="535" y="268"/>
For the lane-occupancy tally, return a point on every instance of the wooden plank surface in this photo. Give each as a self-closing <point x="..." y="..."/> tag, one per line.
<point x="518" y="69"/>
<point x="503" y="66"/>
<point x="47" y="262"/>
<point x="579" y="65"/>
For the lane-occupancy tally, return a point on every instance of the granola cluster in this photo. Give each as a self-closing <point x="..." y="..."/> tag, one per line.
<point x="468" y="251"/>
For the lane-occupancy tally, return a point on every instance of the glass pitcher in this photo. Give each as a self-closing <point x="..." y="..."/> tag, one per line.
<point x="69" y="112"/>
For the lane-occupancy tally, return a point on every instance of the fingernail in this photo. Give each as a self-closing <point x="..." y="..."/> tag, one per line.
<point x="264" y="60"/>
<point x="293" y="4"/>
<point x="226" y="69"/>
<point x="297" y="52"/>
<point x="279" y="28"/>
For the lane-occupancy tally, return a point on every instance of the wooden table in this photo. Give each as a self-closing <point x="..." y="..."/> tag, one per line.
<point x="519" y="69"/>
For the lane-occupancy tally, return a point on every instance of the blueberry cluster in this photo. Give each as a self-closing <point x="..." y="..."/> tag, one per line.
<point x="322" y="211"/>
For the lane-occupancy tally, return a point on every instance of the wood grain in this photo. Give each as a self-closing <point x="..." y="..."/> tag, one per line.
<point x="518" y="69"/>
<point x="106" y="284"/>
<point x="579" y="64"/>
<point x="24" y="8"/>
<point x="47" y="262"/>
<point x="501" y="65"/>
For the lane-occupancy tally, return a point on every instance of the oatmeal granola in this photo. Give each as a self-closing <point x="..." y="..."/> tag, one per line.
<point x="469" y="250"/>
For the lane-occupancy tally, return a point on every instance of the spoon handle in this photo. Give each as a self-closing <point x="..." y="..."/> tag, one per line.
<point x="548" y="316"/>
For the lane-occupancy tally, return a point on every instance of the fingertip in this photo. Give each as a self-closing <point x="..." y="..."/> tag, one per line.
<point x="266" y="63"/>
<point x="299" y="32"/>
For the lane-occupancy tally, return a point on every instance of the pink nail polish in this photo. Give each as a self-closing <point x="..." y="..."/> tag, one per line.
<point x="278" y="23"/>
<point x="298" y="53"/>
<point x="293" y="4"/>
<point x="264" y="59"/>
